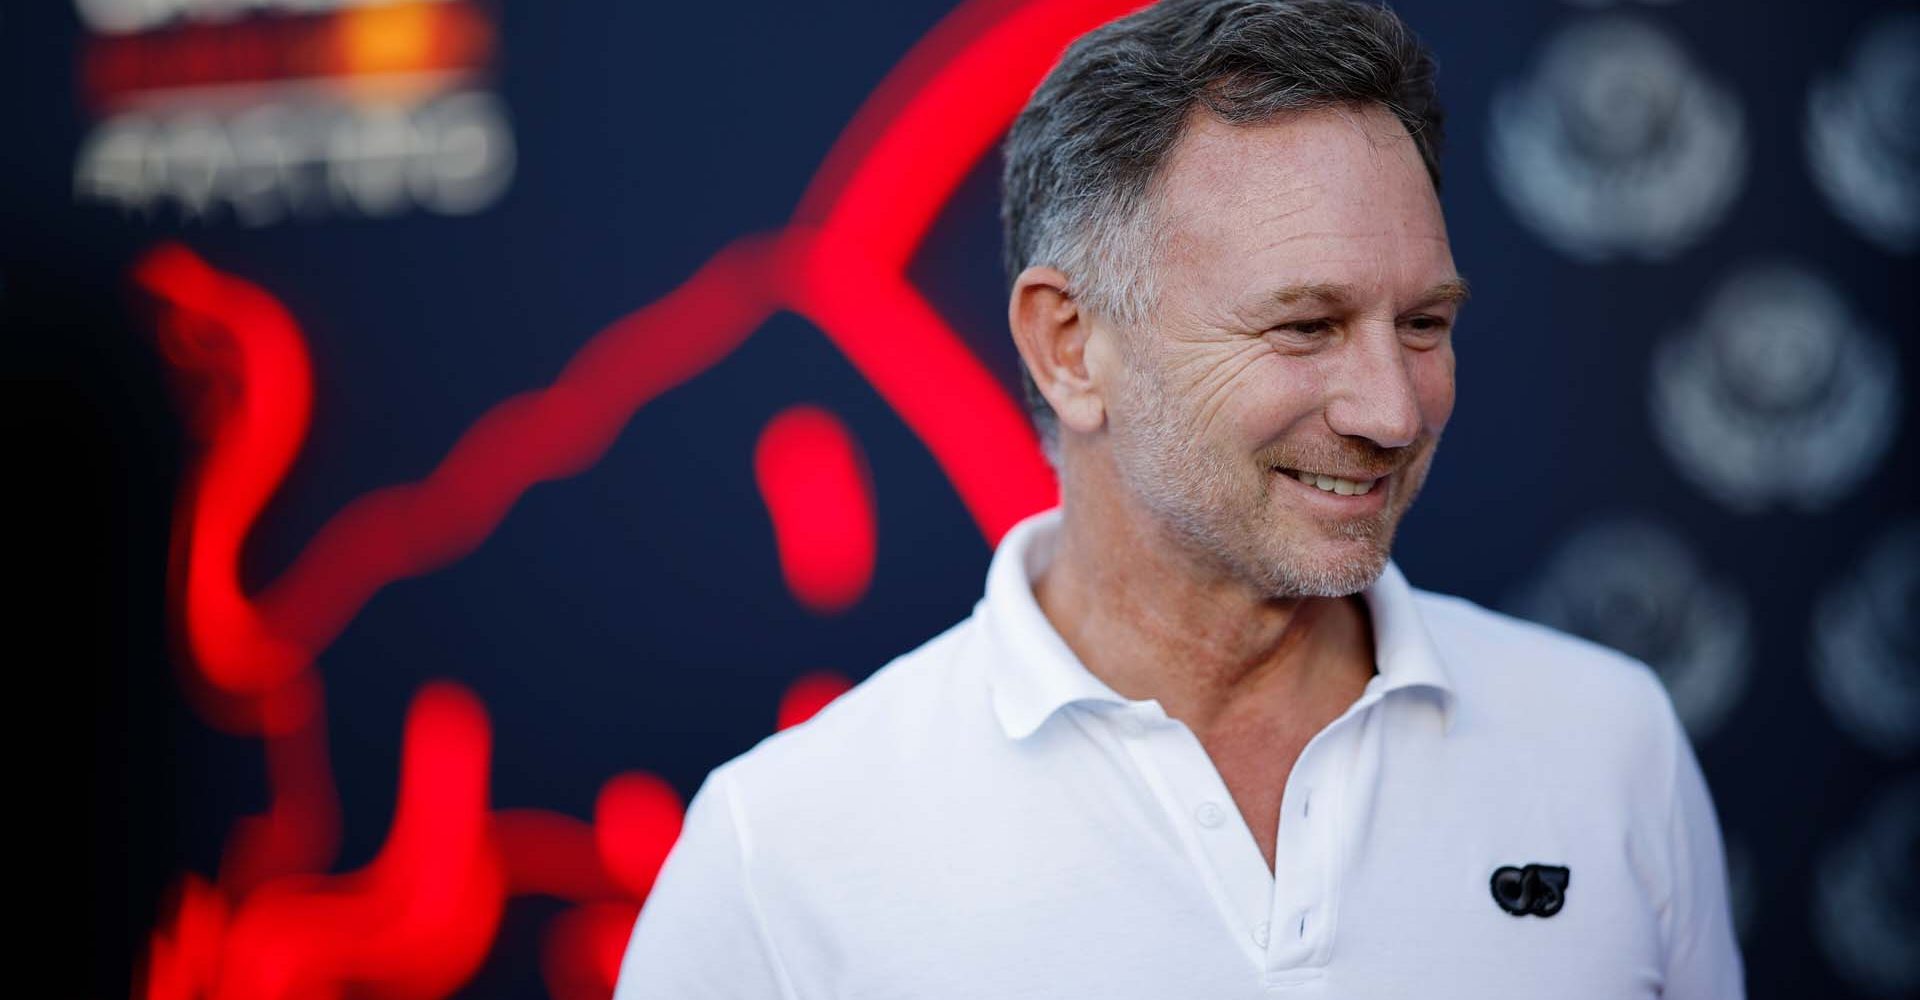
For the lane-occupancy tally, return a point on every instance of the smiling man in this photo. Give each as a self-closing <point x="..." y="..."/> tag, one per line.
<point x="1201" y="738"/>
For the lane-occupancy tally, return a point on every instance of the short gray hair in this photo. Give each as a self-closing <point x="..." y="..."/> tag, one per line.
<point x="1082" y="158"/>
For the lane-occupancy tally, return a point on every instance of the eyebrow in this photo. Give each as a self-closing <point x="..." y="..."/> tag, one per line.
<point x="1453" y="290"/>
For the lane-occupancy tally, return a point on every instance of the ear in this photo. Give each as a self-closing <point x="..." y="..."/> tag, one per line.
<point x="1052" y="334"/>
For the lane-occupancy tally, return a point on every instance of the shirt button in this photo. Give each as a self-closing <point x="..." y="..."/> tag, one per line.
<point x="1209" y="815"/>
<point x="1260" y="934"/>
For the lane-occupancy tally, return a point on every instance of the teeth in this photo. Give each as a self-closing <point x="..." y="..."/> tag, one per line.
<point x="1344" y="487"/>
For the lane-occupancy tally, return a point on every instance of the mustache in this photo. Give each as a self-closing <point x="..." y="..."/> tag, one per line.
<point x="1362" y="458"/>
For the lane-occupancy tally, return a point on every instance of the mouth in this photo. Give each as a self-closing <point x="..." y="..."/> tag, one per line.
<point x="1353" y="489"/>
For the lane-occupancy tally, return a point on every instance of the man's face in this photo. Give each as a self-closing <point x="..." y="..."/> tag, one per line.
<point x="1307" y="296"/>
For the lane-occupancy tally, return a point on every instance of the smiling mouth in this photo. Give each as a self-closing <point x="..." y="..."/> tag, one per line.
<point x="1333" y="484"/>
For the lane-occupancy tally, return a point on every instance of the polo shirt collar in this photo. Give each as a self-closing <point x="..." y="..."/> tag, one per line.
<point x="1032" y="673"/>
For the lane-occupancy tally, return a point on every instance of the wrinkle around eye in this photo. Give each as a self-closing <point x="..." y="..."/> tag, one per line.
<point x="1291" y="336"/>
<point x="1216" y="387"/>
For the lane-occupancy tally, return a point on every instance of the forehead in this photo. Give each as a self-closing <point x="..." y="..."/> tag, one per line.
<point x="1335" y="194"/>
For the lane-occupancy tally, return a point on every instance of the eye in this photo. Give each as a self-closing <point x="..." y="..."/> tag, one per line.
<point x="1308" y="327"/>
<point x="1430" y="327"/>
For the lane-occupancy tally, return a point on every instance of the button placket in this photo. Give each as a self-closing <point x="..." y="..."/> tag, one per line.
<point x="1304" y="851"/>
<point x="1192" y="792"/>
<point x="1354" y="761"/>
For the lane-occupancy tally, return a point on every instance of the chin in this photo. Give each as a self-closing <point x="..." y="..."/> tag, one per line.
<point x="1328" y="570"/>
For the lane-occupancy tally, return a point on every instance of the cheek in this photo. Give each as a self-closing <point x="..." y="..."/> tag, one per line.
<point x="1433" y="384"/>
<point x="1228" y="396"/>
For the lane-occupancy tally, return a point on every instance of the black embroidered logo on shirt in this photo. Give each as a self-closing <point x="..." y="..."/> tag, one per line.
<point x="1537" y="889"/>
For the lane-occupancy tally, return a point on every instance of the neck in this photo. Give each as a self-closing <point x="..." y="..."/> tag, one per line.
<point x="1152" y="621"/>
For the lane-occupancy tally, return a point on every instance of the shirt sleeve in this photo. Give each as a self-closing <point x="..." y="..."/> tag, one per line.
<point x="1703" y="957"/>
<point x="700" y="933"/>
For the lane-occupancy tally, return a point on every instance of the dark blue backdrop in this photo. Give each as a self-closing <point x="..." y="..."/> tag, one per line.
<point x="1684" y="422"/>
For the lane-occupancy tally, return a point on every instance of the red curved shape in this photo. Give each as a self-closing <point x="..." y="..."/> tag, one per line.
<point x="813" y="478"/>
<point x="184" y="958"/>
<point x="807" y="695"/>
<point x="418" y="920"/>
<point x="888" y="102"/>
<point x="251" y="353"/>
<point x="537" y="436"/>
<point x="551" y="854"/>
<point x="635" y="822"/>
<point x="300" y="831"/>
<point x="966" y="95"/>
<point x="980" y="439"/>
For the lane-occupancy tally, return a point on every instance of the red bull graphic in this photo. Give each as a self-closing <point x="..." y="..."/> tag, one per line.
<point x="418" y="920"/>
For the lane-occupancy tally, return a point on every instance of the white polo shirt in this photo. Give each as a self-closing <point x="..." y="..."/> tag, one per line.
<point x="984" y="818"/>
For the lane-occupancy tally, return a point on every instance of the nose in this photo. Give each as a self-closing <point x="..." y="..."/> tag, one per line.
<point x="1372" y="392"/>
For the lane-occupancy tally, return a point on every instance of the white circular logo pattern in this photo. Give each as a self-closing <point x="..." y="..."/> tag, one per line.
<point x="1775" y="394"/>
<point x="1866" y="646"/>
<point x="1635" y="587"/>
<point x="1861" y="143"/>
<point x="1865" y="892"/>
<point x="1617" y="146"/>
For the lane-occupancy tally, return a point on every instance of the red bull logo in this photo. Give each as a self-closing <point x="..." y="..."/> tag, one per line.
<point x="276" y="920"/>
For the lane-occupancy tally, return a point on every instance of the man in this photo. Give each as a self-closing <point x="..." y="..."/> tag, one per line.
<point x="1200" y="738"/>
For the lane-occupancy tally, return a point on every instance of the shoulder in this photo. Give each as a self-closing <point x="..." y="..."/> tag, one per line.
<point x="879" y="730"/>
<point x="1555" y="688"/>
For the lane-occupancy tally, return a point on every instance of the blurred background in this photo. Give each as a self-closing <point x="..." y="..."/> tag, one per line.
<point x="461" y="425"/>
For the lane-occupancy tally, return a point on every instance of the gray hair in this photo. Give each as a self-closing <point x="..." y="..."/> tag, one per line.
<point x="1082" y="158"/>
